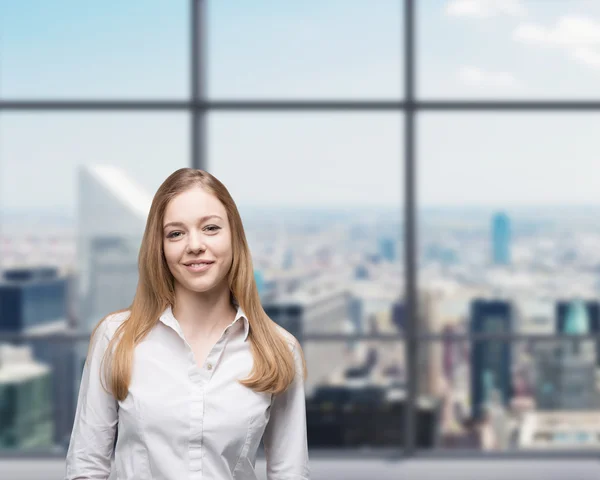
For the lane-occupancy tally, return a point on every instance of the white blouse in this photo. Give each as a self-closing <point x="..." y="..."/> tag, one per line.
<point x="182" y="422"/>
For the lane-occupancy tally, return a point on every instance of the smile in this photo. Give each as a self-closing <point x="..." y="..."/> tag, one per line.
<point x="198" y="267"/>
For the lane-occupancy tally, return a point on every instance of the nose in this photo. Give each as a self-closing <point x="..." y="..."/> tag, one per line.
<point x="195" y="243"/>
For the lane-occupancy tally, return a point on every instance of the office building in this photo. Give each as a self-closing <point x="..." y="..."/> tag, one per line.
<point x="367" y="414"/>
<point x="566" y="370"/>
<point x="34" y="301"/>
<point x="26" y="400"/>
<point x="501" y="239"/>
<point x="592" y="314"/>
<point x="318" y="308"/>
<point x="490" y="359"/>
<point x="559" y="430"/>
<point x="112" y="214"/>
<point x="361" y="272"/>
<point x="387" y="249"/>
<point x="430" y="353"/>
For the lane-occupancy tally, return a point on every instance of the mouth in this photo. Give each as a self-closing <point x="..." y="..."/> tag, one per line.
<point x="198" y="266"/>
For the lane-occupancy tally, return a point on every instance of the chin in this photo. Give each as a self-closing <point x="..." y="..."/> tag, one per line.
<point x="198" y="287"/>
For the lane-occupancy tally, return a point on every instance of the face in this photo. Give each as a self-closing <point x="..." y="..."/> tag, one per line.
<point x="197" y="241"/>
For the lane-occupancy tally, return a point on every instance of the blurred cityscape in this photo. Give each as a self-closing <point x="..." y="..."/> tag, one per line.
<point x="340" y="271"/>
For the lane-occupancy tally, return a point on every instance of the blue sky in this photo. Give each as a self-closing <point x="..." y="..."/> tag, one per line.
<point x="311" y="49"/>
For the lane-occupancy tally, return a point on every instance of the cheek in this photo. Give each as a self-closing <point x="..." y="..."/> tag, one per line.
<point x="225" y="253"/>
<point x="171" y="255"/>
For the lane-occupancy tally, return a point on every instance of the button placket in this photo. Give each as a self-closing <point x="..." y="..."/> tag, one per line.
<point x="211" y="361"/>
<point x="214" y="356"/>
<point x="196" y="406"/>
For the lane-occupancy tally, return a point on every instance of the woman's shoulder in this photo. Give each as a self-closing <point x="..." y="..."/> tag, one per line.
<point x="112" y="321"/>
<point x="295" y="349"/>
<point x="290" y="339"/>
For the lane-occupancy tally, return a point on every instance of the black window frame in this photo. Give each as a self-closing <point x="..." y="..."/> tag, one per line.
<point x="408" y="106"/>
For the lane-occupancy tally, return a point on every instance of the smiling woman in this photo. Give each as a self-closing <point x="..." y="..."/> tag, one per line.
<point x="196" y="242"/>
<point x="229" y="376"/>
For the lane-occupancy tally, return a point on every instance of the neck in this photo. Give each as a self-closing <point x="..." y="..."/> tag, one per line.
<point x="200" y="313"/>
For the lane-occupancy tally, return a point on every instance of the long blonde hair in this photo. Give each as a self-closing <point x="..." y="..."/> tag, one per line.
<point x="274" y="366"/>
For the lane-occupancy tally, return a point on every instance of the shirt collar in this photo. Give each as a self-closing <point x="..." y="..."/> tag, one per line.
<point x="240" y="314"/>
<point x="169" y="319"/>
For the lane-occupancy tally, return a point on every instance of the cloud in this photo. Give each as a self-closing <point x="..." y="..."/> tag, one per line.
<point x="477" y="77"/>
<point x="578" y="35"/>
<point x="587" y="56"/>
<point x="485" y="8"/>
<point x="569" y="31"/>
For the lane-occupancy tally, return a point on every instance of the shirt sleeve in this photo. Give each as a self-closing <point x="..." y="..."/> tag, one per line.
<point x="285" y="438"/>
<point x="96" y="417"/>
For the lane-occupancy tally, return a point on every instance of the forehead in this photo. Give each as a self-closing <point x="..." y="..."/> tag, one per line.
<point x="193" y="203"/>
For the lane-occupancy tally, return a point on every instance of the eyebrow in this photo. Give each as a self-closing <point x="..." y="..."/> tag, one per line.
<point x="181" y="224"/>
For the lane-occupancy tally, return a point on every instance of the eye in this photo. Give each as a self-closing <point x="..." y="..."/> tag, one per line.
<point x="172" y="235"/>
<point x="213" y="228"/>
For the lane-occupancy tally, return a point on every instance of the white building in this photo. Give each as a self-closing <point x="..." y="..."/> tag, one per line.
<point x="112" y="215"/>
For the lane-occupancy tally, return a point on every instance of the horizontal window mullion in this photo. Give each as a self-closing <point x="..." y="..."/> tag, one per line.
<point x="71" y="336"/>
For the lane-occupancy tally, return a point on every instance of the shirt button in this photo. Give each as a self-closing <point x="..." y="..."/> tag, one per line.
<point x="209" y="366"/>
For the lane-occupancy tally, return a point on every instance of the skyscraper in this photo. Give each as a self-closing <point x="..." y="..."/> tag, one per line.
<point x="566" y="370"/>
<point x="361" y="272"/>
<point x="399" y="315"/>
<point x="34" y="301"/>
<point x="429" y="353"/>
<point x="387" y="249"/>
<point x="112" y="213"/>
<point x="501" y="238"/>
<point x="26" y="403"/>
<point x="356" y="318"/>
<point x="450" y="352"/>
<point x="490" y="359"/>
<point x="592" y="314"/>
<point x="315" y="309"/>
<point x="288" y="259"/>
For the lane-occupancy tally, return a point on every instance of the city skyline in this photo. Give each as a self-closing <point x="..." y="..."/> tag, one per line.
<point x="321" y="195"/>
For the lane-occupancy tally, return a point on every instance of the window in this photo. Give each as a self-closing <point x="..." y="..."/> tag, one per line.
<point x="324" y="234"/>
<point x="337" y="49"/>
<point x="420" y="206"/>
<point x="110" y="50"/>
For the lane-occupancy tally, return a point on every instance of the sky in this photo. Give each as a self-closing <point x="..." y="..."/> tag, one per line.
<point x="318" y="49"/>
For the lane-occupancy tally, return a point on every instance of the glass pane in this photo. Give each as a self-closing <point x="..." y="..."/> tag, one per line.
<point x="320" y="199"/>
<point x="355" y="393"/>
<point x="75" y="191"/>
<point x="508" y="49"/>
<point x="37" y="391"/>
<point x="72" y="184"/>
<point x="346" y="49"/>
<point x="534" y="395"/>
<point x="355" y="398"/>
<point x="43" y="155"/>
<point x="67" y="49"/>
<point x="508" y="236"/>
<point x="341" y="161"/>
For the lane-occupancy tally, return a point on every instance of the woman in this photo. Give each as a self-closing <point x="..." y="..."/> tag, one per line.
<point x="194" y="374"/>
